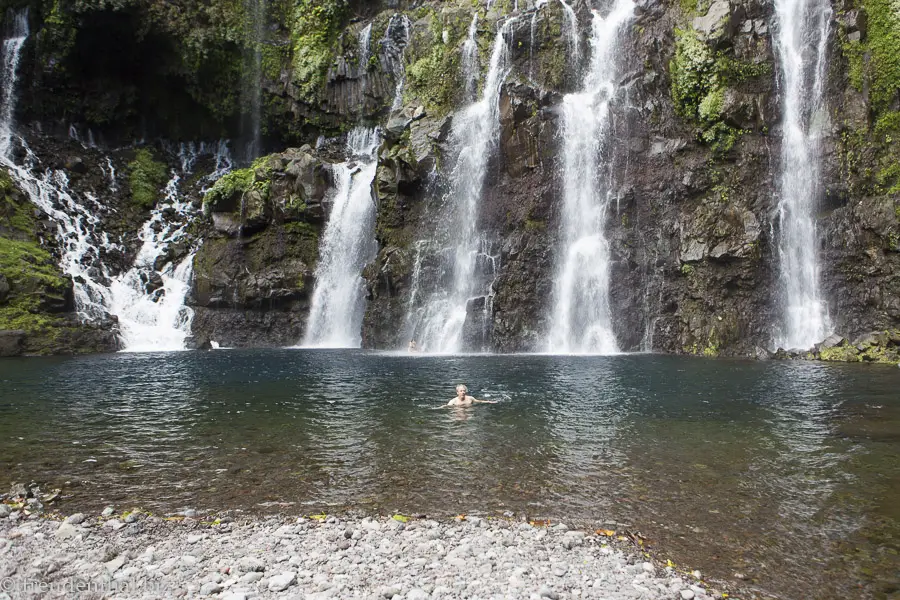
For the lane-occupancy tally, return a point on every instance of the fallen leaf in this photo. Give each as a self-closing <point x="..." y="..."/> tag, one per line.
<point x="401" y="518"/>
<point x="606" y="532"/>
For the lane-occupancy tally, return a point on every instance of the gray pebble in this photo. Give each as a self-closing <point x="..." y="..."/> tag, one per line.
<point x="108" y="512"/>
<point x="208" y="589"/>
<point x="546" y="592"/>
<point x="281" y="582"/>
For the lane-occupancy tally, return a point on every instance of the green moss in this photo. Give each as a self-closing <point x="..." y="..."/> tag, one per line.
<point x="700" y="77"/>
<point x="146" y="177"/>
<point x="24" y="313"/>
<point x="15" y="216"/>
<point x="532" y="225"/>
<point x="25" y="263"/>
<point x="255" y="177"/>
<point x="31" y="273"/>
<point x="880" y="66"/>
<point x="314" y="30"/>
<point x="687" y="269"/>
<point x="301" y="228"/>
<point x="434" y="79"/>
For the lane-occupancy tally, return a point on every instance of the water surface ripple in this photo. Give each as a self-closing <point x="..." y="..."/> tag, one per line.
<point x="786" y="472"/>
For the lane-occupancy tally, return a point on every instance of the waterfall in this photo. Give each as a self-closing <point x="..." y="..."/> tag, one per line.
<point x="365" y="53"/>
<point x="148" y="299"/>
<point x="365" y="46"/>
<point x="470" y="67"/>
<point x="148" y="303"/>
<point x="802" y="38"/>
<point x="348" y="244"/>
<point x="581" y="319"/>
<point x="12" y="52"/>
<point x="474" y="135"/>
<point x="571" y="31"/>
<point x="533" y="34"/>
<point x="251" y="92"/>
<point x="393" y="45"/>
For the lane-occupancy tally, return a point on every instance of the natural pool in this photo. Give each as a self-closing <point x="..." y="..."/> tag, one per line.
<point x="785" y="472"/>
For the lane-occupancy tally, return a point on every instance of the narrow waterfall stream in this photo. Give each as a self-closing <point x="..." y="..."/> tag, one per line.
<point x="12" y="52"/>
<point x="251" y="91"/>
<point x="801" y="43"/>
<point x="581" y="318"/>
<point x="440" y="322"/>
<point x="348" y="244"/>
<point x="393" y="45"/>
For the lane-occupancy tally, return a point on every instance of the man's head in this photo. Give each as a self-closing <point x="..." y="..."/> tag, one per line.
<point x="461" y="391"/>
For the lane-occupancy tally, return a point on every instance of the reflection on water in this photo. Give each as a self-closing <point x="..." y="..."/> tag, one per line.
<point x="786" y="472"/>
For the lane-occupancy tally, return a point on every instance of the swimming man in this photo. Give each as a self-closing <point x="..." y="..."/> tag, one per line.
<point x="463" y="399"/>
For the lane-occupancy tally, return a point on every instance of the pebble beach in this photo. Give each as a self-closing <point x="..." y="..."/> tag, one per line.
<point x="135" y="555"/>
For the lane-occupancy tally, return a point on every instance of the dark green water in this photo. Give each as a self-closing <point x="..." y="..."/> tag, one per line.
<point x="786" y="472"/>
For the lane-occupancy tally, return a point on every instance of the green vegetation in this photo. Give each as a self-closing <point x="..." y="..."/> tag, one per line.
<point x="28" y="270"/>
<point x="884" y="348"/>
<point x="434" y="77"/>
<point x="869" y="157"/>
<point x="314" y="29"/>
<point x="255" y="177"/>
<point x="15" y="217"/>
<point x="876" y="59"/>
<point x="146" y="177"/>
<point x="700" y="78"/>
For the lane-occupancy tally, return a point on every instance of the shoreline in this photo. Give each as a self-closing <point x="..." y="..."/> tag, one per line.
<point x="138" y="555"/>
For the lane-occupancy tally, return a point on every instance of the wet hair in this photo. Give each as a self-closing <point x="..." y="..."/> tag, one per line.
<point x="464" y="388"/>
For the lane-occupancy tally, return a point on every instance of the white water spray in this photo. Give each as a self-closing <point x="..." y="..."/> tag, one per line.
<point x="348" y="244"/>
<point x="475" y="133"/>
<point x="149" y="298"/>
<point x="571" y="31"/>
<point x="802" y="38"/>
<point x="12" y="52"/>
<point x="581" y="319"/>
<point x="470" y="67"/>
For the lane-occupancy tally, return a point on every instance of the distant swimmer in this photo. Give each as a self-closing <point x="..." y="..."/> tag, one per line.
<point x="463" y="399"/>
<point x="412" y="346"/>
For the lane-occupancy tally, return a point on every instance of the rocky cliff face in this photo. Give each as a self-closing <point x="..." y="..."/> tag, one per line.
<point x="692" y="223"/>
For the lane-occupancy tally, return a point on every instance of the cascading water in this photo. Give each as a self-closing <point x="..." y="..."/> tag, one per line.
<point x="148" y="303"/>
<point x="802" y="38"/>
<point x="251" y="92"/>
<point x="348" y="244"/>
<point x="365" y="54"/>
<point x="571" y="31"/>
<point x="393" y="45"/>
<point x="581" y="319"/>
<point x="470" y="65"/>
<point x="12" y="52"/>
<point x="148" y="299"/>
<point x="440" y="322"/>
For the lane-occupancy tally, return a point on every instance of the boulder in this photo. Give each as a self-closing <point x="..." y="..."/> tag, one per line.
<point x="12" y="342"/>
<point x="720" y="21"/>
